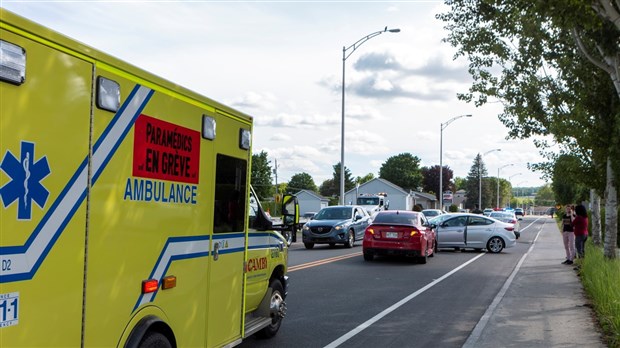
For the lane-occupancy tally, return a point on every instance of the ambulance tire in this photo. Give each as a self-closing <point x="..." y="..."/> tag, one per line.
<point x="277" y="294"/>
<point x="154" y="339"/>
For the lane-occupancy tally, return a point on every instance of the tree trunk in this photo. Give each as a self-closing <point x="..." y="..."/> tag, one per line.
<point x="611" y="213"/>
<point x="595" y="201"/>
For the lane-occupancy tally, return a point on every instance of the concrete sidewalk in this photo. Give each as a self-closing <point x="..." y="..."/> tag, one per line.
<point x="543" y="306"/>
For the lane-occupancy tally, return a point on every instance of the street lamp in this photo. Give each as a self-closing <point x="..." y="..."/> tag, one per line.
<point x="346" y="55"/>
<point x="480" y="178"/>
<point x="504" y="166"/>
<point x="442" y="127"/>
<point x="509" y="179"/>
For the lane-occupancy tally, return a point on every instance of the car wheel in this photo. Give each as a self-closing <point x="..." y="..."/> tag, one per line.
<point x="369" y="256"/>
<point x="309" y="245"/>
<point x="424" y="258"/>
<point x="350" y="240"/>
<point x="495" y="245"/>
<point x="153" y="339"/>
<point x="277" y="310"/>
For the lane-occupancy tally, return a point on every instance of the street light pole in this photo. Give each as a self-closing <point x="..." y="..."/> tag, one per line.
<point x="480" y="178"/>
<point x="353" y="47"/>
<point x="504" y="166"/>
<point x="441" y="128"/>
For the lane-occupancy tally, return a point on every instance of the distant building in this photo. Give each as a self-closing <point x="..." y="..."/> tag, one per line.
<point x="310" y="202"/>
<point x="425" y="200"/>
<point x="398" y="198"/>
<point x="460" y="198"/>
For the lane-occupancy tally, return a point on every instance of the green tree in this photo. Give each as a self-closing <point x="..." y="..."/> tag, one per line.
<point x="430" y="179"/>
<point x="558" y="65"/>
<point x="567" y="185"/>
<point x="402" y="170"/>
<point x="366" y="178"/>
<point x="459" y="183"/>
<point x="331" y="187"/>
<point x="330" y="190"/>
<point x="261" y="175"/>
<point x="301" y="181"/>
<point x="545" y="196"/>
<point x="472" y="185"/>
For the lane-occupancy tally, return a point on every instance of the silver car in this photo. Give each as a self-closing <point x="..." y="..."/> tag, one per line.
<point x="508" y="217"/>
<point x="474" y="231"/>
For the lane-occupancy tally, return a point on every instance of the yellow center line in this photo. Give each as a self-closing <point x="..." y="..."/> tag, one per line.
<point x="323" y="261"/>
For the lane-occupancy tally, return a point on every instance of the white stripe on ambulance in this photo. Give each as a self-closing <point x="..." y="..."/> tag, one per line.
<point x="23" y="264"/>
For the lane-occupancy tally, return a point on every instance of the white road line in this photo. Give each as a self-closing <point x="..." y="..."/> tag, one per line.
<point x="473" y="338"/>
<point x="395" y="306"/>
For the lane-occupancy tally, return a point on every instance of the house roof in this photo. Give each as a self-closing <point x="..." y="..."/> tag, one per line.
<point x="313" y="194"/>
<point x="383" y="181"/>
<point x="429" y="196"/>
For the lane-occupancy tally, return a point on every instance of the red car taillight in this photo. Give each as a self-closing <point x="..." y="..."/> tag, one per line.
<point x="509" y="228"/>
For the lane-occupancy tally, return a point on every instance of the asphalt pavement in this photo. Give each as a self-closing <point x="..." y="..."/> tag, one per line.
<point x="542" y="304"/>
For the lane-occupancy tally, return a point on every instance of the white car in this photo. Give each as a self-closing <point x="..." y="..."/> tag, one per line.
<point x="474" y="231"/>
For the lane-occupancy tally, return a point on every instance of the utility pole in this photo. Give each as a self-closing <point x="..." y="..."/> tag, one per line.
<point x="275" y="172"/>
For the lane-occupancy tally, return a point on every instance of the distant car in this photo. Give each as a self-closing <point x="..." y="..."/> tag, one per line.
<point x="473" y="231"/>
<point x="397" y="232"/>
<point x="436" y="220"/>
<point x="429" y="213"/>
<point x="508" y="217"/>
<point x="487" y="211"/>
<point x="339" y="224"/>
<point x="519" y="212"/>
<point x="309" y="215"/>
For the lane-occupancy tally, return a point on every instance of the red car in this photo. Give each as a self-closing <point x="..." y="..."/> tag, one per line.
<point x="395" y="232"/>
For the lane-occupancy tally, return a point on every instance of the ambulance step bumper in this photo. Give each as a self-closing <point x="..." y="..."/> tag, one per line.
<point x="254" y="325"/>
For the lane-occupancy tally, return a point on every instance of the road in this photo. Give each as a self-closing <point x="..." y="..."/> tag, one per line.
<point x="338" y="299"/>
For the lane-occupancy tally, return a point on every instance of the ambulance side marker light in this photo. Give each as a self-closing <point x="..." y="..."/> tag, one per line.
<point x="12" y="63"/>
<point x="169" y="282"/>
<point x="208" y="127"/>
<point x="108" y="94"/>
<point x="245" y="138"/>
<point x="149" y="286"/>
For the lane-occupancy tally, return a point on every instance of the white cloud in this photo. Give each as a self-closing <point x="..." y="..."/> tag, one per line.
<point x="282" y="64"/>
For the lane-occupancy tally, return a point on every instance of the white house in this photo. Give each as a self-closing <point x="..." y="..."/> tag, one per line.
<point x="399" y="199"/>
<point x="310" y="201"/>
<point x="425" y="200"/>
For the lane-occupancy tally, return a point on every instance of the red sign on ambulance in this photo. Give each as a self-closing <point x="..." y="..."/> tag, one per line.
<point x="165" y="151"/>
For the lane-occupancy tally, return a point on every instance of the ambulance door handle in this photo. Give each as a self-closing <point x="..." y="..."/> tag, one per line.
<point x="216" y="251"/>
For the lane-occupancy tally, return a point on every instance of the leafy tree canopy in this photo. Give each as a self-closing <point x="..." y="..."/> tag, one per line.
<point x="301" y="181"/>
<point x="430" y="179"/>
<point x="261" y="175"/>
<point x="402" y="170"/>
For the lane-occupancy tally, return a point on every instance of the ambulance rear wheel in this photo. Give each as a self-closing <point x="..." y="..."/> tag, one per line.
<point x="153" y="339"/>
<point x="277" y="308"/>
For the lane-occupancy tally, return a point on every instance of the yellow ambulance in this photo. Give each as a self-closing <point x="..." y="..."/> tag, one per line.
<point x="127" y="216"/>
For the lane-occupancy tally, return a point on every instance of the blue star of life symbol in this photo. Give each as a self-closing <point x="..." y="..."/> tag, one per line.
<point x="25" y="185"/>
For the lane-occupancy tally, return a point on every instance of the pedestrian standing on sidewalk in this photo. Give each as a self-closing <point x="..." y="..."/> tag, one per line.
<point x="580" y="228"/>
<point x="567" y="234"/>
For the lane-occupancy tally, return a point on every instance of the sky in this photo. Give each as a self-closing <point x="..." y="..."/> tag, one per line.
<point x="281" y="62"/>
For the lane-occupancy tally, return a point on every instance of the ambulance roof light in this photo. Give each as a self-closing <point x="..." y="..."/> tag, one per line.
<point x="245" y="139"/>
<point x="208" y="127"/>
<point x="108" y="94"/>
<point x="12" y="63"/>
